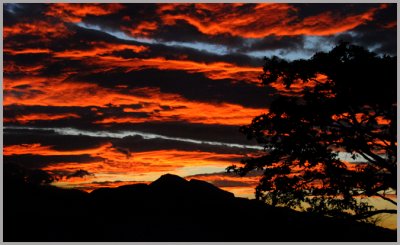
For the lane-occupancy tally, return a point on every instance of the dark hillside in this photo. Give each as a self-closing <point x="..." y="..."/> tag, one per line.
<point x="169" y="209"/>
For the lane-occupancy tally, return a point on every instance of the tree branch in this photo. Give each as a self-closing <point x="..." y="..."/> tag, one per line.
<point x="375" y="212"/>
<point x="386" y="198"/>
<point x="371" y="161"/>
<point x="365" y="148"/>
<point x="379" y="160"/>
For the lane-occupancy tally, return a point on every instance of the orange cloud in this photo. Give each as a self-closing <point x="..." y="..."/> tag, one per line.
<point x="47" y="31"/>
<point x="99" y="48"/>
<point x="129" y="110"/>
<point x="143" y="29"/>
<point x="196" y="112"/>
<point x="57" y="92"/>
<point x="383" y="121"/>
<point x="329" y="23"/>
<point x="113" y="120"/>
<point x="240" y="186"/>
<point x="121" y="162"/>
<point x="10" y="66"/>
<point x="230" y="19"/>
<point x="241" y="191"/>
<point x="101" y="54"/>
<point x="74" y="12"/>
<point x="215" y="70"/>
<point x="390" y="25"/>
<point x="40" y="116"/>
<point x="298" y="86"/>
<point x="120" y="165"/>
<point x="38" y="149"/>
<point x="261" y="20"/>
<point x="226" y="114"/>
<point x="362" y="118"/>
<point x="27" y="51"/>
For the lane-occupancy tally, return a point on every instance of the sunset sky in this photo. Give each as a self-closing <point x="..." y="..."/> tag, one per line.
<point x="128" y="92"/>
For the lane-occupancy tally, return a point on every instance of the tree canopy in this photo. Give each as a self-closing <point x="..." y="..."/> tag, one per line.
<point x="333" y="142"/>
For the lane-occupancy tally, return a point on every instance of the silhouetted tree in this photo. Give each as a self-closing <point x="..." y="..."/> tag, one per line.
<point x="348" y="107"/>
<point x="14" y="173"/>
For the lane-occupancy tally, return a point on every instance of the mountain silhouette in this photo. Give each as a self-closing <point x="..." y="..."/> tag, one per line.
<point x="169" y="209"/>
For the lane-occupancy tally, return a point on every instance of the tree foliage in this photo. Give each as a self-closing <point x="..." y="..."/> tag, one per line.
<point x="16" y="173"/>
<point x="347" y="109"/>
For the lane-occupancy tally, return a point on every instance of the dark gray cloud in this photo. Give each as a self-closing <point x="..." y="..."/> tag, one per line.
<point x="134" y="144"/>
<point x="206" y="132"/>
<point x="79" y="173"/>
<point x="305" y="10"/>
<point x="379" y="34"/>
<point x="39" y="161"/>
<point x="18" y="12"/>
<point x="193" y="86"/>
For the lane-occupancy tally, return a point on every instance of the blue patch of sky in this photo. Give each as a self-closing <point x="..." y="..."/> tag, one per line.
<point x="211" y="48"/>
<point x="311" y="45"/>
<point x="204" y="47"/>
<point x="118" y="34"/>
<point x="281" y="53"/>
<point x="318" y="43"/>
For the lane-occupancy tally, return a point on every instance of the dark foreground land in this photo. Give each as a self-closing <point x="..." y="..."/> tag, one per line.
<point x="169" y="209"/>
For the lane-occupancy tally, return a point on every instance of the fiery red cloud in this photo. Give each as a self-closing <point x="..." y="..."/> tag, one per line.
<point x="262" y="19"/>
<point x="74" y="12"/>
<point x="23" y="119"/>
<point x="27" y="51"/>
<point x="99" y="48"/>
<point x="298" y="86"/>
<point x="144" y="28"/>
<point x="216" y="70"/>
<point x="62" y="93"/>
<point x="46" y="31"/>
